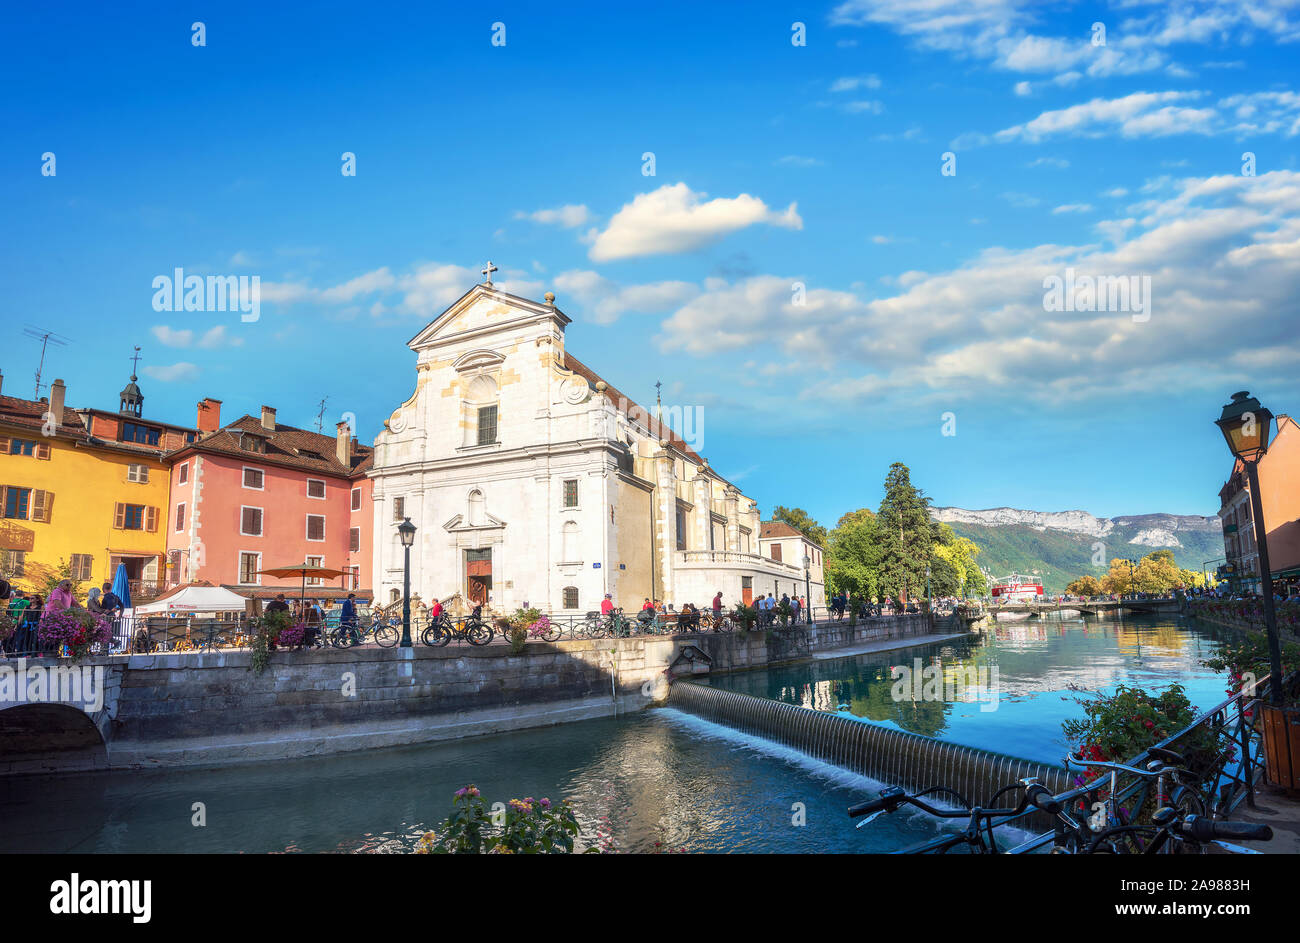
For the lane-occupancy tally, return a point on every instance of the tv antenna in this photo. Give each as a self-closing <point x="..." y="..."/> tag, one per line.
<point x="46" y="337"/>
<point x="320" y="416"/>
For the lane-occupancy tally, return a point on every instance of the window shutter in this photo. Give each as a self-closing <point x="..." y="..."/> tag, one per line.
<point x="43" y="450"/>
<point x="119" y="516"/>
<point x="151" y="519"/>
<point x="4" y="445"/>
<point x="41" y="505"/>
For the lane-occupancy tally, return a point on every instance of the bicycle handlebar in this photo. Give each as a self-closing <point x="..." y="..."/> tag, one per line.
<point x="890" y="799"/>
<point x="1084" y="764"/>
<point x="1199" y="828"/>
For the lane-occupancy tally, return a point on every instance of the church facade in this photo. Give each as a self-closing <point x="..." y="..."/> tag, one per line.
<point x="531" y="480"/>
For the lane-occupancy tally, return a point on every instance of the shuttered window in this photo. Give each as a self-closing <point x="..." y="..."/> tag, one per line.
<point x="354" y="540"/>
<point x="137" y="473"/>
<point x="249" y="564"/>
<point x="315" y="488"/>
<point x="253" y="478"/>
<point x="183" y="473"/>
<point x="16" y="502"/>
<point x="42" y="505"/>
<point x="82" y="566"/>
<point x="180" y="518"/>
<point x="133" y="516"/>
<point x="14" y="562"/>
<point x="356" y="499"/>
<point x="250" y="522"/>
<point x="399" y="509"/>
<point x="315" y="526"/>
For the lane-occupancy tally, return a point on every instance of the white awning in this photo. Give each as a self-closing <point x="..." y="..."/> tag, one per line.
<point x="194" y="599"/>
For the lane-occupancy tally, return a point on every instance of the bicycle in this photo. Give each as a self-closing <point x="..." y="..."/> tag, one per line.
<point x="978" y="834"/>
<point x="722" y="623"/>
<point x="442" y="630"/>
<point x="1109" y="816"/>
<point x="614" y="625"/>
<point x="1172" y="833"/>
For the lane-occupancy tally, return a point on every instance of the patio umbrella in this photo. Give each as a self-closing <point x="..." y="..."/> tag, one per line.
<point x="304" y="571"/>
<point x="122" y="586"/>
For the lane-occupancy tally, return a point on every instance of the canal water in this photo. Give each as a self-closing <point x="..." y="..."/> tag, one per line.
<point x="656" y="776"/>
<point x="1014" y="684"/>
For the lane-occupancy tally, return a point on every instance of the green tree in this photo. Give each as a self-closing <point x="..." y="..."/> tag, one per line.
<point x="853" y="555"/>
<point x="801" y="521"/>
<point x="907" y="534"/>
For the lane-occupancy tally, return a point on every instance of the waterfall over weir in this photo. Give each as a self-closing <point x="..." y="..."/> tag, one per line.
<point x="902" y="759"/>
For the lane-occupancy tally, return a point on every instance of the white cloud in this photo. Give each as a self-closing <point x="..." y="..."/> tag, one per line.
<point x="852" y="83"/>
<point x="794" y="160"/>
<point x="608" y="301"/>
<point x="1072" y="208"/>
<point x="675" y="219"/>
<point x="177" y="372"/>
<point x="1023" y="89"/>
<point x="1140" y="114"/>
<point x="567" y="216"/>
<point x="211" y="339"/>
<point x="379" y="280"/>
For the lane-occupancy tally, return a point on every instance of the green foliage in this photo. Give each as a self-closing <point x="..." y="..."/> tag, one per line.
<point x="745" y="616"/>
<point x="873" y="555"/>
<point x="1118" y="727"/>
<point x="265" y="634"/>
<point x="526" y="826"/>
<point x="801" y="521"/>
<point x="1245" y="659"/>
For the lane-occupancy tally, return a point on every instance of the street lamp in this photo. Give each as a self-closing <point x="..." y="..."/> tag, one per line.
<point x="1246" y="426"/>
<point x="807" y="585"/>
<point x="928" y="605"/>
<point x="406" y="530"/>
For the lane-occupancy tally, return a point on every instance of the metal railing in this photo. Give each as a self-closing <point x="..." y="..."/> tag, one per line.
<point x="1226" y="777"/>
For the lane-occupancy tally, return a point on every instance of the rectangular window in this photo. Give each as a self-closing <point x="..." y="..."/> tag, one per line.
<point x="183" y="473"/>
<point x="138" y="473"/>
<point x="399" y="509"/>
<point x="354" y="577"/>
<point x="314" y="561"/>
<point x="354" y="540"/>
<point x="180" y="518"/>
<point x="315" y="488"/>
<point x="250" y="522"/>
<point x="356" y="499"/>
<point x="81" y="566"/>
<point x="14" y="562"/>
<point x="487" y="425"/>
<point x="249" y="564"/>
<point x="776" y="552"/>
<point x="253" y="478"/>
<point x="42" y="505"/>
<point x="570" y="597"/>
<point x="17" y="503"/>
<point x="21" y="447"/>
<point x="681" y="528"/>
<point x="570" y="492"/>
<point x="134" y="432"/>
<point x="315" y="526"/>
<point x="132" y="516"/>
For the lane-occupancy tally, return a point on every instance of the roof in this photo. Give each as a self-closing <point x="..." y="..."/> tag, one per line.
<point x="779" y="529"/>
<point x="129" y="417"/>
<point x="286" y="445"/>
<point x="626" y="404"/>
<point x="29" y="414"/>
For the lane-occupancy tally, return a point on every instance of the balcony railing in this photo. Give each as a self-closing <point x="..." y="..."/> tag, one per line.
<point x="732" y="558"/>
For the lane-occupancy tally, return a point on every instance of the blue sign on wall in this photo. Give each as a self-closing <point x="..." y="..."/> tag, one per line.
<point x="595" y="566"/>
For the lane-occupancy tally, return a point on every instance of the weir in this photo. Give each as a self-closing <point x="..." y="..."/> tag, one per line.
<point x="896" y="757"/>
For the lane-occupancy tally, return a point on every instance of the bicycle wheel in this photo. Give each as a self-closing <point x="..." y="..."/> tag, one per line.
<point x="476" y="633"/>
<point x="553" y="634"/>
<point x="387" y="635"/>
<point x="1187" y="802"/>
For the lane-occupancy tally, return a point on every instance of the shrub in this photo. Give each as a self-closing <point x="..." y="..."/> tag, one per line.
<point x="525" y="826"/>
<point x="75" y="628"/>
<point x="1118" y="727"/>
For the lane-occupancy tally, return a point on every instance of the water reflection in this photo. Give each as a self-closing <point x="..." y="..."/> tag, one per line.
<point x="1028" y="671"/>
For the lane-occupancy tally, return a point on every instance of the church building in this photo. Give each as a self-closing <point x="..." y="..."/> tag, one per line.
<point x="530" y="479"/>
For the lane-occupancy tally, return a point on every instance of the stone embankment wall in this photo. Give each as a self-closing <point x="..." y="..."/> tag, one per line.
<point x="211" y="708"/>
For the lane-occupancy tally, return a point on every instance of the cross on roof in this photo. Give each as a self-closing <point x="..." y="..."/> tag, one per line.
<point x="487" y="272"/>
<point x="135" y="362"/>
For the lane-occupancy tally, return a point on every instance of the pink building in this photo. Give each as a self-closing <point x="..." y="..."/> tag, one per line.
<point x="255" y="495"/>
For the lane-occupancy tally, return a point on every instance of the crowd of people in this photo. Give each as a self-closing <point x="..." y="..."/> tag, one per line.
<point x="28" y="609"/>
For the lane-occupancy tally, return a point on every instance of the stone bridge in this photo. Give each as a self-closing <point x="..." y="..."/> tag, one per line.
<point x="1097" y="608"/>
<point x="55" y="715"/>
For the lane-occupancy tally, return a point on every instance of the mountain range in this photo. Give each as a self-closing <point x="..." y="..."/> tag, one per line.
<point x="1060" y="545"/>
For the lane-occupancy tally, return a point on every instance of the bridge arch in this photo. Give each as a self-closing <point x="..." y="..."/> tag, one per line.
<point x="37" y="738"/>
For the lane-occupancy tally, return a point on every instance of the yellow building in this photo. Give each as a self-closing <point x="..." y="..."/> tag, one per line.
<point x="82" y="491"/>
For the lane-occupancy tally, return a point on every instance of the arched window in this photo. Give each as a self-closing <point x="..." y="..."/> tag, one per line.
<point x="481" y="418"/>
<point x="569" y="545"/>
<point x="570" y="597"/>
<point x="477" y="512"/>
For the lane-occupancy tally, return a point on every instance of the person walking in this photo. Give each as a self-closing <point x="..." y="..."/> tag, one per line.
<point x="717" y="612"/>
<point x="348" y="619"/>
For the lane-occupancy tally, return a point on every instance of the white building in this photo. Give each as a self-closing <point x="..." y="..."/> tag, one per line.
<point x="531" y="479"/>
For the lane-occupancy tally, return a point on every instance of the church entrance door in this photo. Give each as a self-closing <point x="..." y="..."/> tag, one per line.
<point x="478" y="575"/>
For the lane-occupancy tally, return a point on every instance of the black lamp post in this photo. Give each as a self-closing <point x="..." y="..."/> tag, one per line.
<point x="1246" y="426"/>
<point x="407" y="532"/>
<point x="807" y="585"/>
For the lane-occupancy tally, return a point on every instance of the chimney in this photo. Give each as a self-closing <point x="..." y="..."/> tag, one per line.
<point x="2" y="382"/>
<point x="268" y="418"/>
<point x="57" y="392"/>
<point x="209" y="418"/>
<point x="343" y="444"/>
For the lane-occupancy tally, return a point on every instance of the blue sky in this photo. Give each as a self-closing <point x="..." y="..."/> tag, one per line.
<point x="774" y="164"/>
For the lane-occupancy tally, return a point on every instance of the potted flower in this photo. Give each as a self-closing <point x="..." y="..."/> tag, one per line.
<point x="73" y="630"/>
<point x="746" y="616"/>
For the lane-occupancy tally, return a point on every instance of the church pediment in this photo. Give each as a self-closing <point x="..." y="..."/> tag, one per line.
<point x="481" y="310"/>
<point x="478" y="360"/>
<point x="461" y="523"/>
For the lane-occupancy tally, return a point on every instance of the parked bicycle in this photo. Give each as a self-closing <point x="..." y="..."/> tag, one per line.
<point x="444" y="629"/>
<point x="978" y="835"/>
